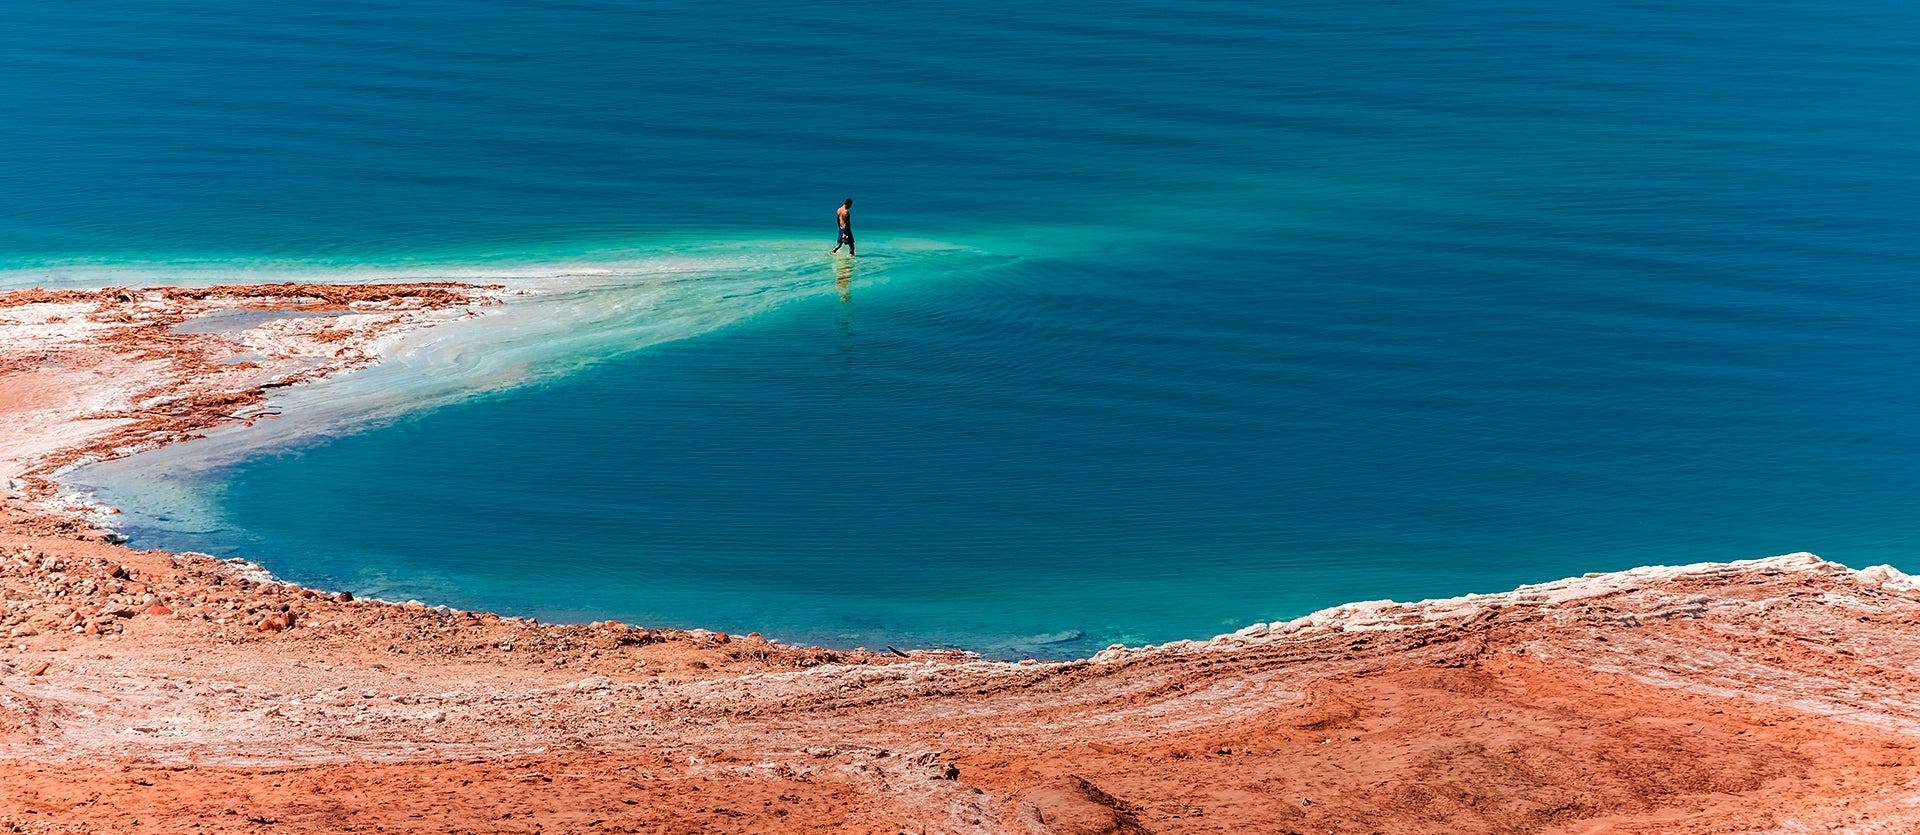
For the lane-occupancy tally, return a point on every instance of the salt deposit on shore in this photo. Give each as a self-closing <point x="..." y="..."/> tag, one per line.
<point x="92" y="374"/>
<point x="147" y="691"/>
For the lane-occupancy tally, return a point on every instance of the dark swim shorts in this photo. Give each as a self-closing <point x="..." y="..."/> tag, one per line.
<point x="846" y="236"/>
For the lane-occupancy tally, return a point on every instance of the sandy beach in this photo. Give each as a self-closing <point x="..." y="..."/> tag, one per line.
<point x="144" y="691"/>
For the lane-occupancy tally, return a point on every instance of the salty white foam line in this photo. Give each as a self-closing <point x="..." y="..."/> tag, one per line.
<point x="539" y="332"/>
<point x="183" y="275"/>
<point x="654" y="260"/>
<point x="1393" y="616"/>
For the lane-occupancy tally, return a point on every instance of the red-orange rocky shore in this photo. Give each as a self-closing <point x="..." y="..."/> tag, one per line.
<point x="143" y="691"/>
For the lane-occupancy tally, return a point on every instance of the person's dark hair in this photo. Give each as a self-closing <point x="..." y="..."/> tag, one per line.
<point x="849" y="201"/>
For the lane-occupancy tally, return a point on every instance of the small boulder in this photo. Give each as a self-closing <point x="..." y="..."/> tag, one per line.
<point x="159" y="610"/>
<point x="276" y="622"/>
<point x="1069" y="805"/>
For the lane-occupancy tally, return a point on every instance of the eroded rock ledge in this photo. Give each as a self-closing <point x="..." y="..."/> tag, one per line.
<point x="1767" y="695"/>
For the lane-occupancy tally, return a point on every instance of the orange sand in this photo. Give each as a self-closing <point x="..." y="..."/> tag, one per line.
<point x="143" y="691"/>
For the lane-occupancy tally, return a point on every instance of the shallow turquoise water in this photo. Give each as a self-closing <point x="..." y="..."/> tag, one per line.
<point x="1169" y="317"/>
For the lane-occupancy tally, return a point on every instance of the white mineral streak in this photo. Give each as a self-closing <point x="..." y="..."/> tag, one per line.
<point x="59" y="406"/>
<point x="1388" y="615"/>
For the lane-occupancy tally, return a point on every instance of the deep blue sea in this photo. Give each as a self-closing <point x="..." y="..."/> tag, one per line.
<point x="1167" y="317"/>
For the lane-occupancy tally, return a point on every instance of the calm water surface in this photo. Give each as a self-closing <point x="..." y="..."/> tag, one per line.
<point x="1169" y="317"/>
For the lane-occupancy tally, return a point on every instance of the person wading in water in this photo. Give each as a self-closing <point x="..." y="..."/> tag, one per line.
<point x="846" y="226"/>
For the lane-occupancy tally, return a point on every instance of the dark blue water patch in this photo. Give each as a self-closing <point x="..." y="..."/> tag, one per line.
<point x="1151" y="454"/>
<point x="365" y="130"/>
<point x="385" y="129"/>
<point x="1291" y="304"/>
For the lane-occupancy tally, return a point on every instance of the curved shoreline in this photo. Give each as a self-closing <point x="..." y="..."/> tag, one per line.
<point x="143" y="686"/>
<point x="102" y="374"/>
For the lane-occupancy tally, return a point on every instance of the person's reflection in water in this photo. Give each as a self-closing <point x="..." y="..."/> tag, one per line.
<point x="843" y="278"/>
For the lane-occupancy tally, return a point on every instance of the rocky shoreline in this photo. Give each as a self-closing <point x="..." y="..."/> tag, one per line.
<point x="143" y="691"/>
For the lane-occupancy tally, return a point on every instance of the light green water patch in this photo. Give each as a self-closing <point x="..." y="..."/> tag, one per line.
<point x="556" y="319"/>
<point x="654" y="255"/>
<point x="559" y="317"/>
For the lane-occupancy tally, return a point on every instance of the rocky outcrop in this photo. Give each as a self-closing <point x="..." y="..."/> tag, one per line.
<point x="1070" y="805"/>
<point x="1766" y="695"/>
